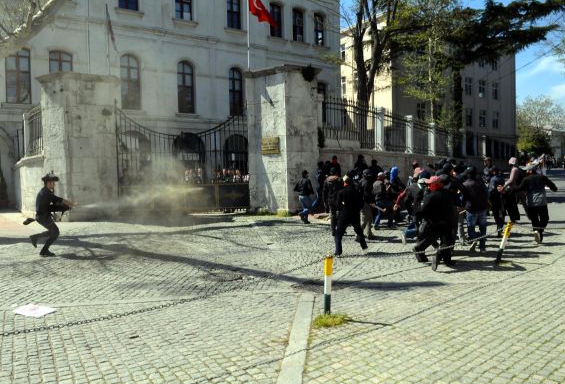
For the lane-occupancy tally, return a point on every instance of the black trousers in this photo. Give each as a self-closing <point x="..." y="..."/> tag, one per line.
<point x="539" y="217"/>
<point x="343" y="221"/>
<point x="430" y="233"/>
<point x="52" y="232"/>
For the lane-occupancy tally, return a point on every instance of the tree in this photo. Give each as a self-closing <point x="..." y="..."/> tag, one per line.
<point x="424" y="63"/>
<point x="373" y="26"/>
<point x="534" y="120"/>
<point x="18" y="19"/>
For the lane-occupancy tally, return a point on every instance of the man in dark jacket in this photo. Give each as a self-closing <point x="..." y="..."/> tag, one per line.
<point x="438" y="216"/>
<point x="304" y="189"/>
<point x="495" y="198"/>
<point x="475" y="194"/>
<point x="45" y="204"/>
<point x="536" y="199"/>
<point x="349" y="203"/>
<point x="368" y="199"/>
<point x="332" y="186"/>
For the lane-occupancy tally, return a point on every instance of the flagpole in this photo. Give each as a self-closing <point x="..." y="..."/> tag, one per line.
<point x="248" y="39"/>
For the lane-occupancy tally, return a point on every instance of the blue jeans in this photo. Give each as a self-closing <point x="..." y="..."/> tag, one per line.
<point x="412" y="230"/>
<point x="480" y="219"/>
<point x="306" y="205"/>
<point x="384" y="204"/>
<point x="318" y="199"/>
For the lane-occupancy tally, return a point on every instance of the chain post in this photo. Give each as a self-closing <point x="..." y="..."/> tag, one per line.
<point x="328" y="270"/>
<point x="503" y="242"/>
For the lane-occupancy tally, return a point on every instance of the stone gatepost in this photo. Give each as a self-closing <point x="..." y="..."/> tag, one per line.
<point x="79" y="139"/>
<point x="283" y="134"/>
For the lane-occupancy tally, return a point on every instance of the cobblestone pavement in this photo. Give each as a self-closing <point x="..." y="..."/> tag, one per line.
<point x="231" y="305"/>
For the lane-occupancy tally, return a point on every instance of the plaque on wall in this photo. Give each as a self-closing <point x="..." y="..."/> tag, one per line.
<point x="270" y="146"/>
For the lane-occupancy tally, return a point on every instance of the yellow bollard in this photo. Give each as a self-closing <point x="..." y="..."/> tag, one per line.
<point x="504" y="241"/>
<point x="328" y="270"/>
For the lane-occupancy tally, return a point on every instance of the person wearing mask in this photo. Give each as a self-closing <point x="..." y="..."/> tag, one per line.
<point x="438" y="217"/>
<point x="305" y="190"/>
<point x="332" y="186"/>
<point x="349" y="202"/>
<point x="475" y="194"/>
<point x="536" y="199"/>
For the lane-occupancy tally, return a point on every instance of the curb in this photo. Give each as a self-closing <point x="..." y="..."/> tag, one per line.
<point x="294" y="360"/>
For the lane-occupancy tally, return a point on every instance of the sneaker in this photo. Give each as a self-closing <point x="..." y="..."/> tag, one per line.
<point x="46" y="253"/>
<point x="537" y="237"/>
<point x="33" y="240"/>
<point x="403" y="237"/>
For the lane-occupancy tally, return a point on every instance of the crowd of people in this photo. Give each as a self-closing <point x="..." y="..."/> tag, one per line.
<point x="439" y="203"/>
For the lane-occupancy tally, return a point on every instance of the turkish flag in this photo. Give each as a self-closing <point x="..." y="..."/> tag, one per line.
<point x="257" y="8"/>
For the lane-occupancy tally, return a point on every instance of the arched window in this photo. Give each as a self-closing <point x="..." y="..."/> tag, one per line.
<point x="185" y="87"/>
<point x="319" y="37"/>
<point x="60" y="61"/>
<point x="131" y="84"/>
<point x="276" y="13"/>
<point x="297" y="24"/>
<point x="236" y="92"/>
<point x="18" y="78"/>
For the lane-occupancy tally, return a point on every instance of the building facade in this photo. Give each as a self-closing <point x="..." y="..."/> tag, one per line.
<point x="489" y="101"/>
<point x="181" y="62"/>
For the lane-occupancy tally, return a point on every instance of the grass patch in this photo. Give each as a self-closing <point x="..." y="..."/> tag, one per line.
<point x="328" y="321"/>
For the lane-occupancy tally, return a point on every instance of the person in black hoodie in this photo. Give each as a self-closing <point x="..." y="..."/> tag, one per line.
<point x="438" y="217"/>
<point x="349" y="202"/>
<point x="304" y="189"/>
<point x="332" y="186"/>
<point x="475" y="194"/>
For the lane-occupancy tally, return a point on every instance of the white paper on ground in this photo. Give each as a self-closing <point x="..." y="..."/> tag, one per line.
<point x="33" y="310"/>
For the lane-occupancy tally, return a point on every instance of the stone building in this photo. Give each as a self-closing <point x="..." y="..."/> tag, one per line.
<point x="489" y="101"/>
<point x="181" y="62"/>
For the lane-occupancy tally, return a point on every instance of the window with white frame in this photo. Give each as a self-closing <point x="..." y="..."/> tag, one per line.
<point x="482" y="87"/>
<point x="468" y="86"/>
<point x="482" y="118"/>
<point x="468" y="117"/>
<point x="495" y="119"/>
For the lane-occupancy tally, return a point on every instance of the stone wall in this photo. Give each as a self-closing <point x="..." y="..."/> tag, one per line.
<point x="79" y="143"/>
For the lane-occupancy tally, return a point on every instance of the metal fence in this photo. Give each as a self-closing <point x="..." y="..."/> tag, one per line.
<point x="421" y="132"/>
<point x="395" y="131"/>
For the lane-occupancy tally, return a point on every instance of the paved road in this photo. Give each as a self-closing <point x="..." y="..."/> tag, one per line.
<point x="239" y="280"/>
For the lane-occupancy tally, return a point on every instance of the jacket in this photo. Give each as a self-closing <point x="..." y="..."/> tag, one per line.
<point x="534" y="185"/>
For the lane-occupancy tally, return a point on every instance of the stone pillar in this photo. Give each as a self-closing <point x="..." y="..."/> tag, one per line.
<point x="409" y="134"/>
<point x="432" y="140"/>
<point x="79" y="139"/>
<point x="281" y="108"/>
<point x="380" y="130"/>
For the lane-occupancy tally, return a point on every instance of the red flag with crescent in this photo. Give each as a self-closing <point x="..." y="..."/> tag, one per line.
<point x="257" y="8"/>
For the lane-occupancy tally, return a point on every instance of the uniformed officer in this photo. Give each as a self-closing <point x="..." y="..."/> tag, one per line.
<point x="46" y="203"/>
<point x="349" y="203"/>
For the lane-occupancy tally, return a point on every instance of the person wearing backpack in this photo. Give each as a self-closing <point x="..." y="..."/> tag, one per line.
<point x="304" y="189"/>
<point x="332" y="186"/>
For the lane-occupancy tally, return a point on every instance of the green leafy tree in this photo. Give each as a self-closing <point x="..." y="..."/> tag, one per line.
<point x="535" y="117"/>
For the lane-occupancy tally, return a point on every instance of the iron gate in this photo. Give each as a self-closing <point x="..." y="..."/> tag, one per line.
<point x="185" y="172"/>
